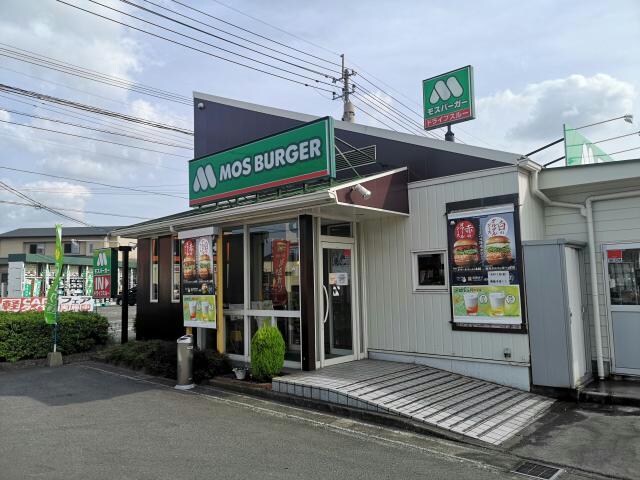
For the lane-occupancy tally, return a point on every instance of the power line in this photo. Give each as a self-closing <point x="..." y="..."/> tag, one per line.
<point x="401" y="123"/>
<point x="69" y="147"/>
<point x="92" y="128"/>
<point x="91" y="138"/>
<point x="233" y="34"/>
<point x="272" y="26"/>
<point x="166" y="17"/>
<point x="92" y="109"/>
<point x="89" y="182"/>
<point x="53" y="64"/>
<point x="75" y="210"/>
<point x="60" y="110"/>
<point x="197" y="49"/>
<point x="41" y="205"/>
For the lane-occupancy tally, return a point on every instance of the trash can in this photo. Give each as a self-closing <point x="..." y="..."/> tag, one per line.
<point x="185" y="363"/>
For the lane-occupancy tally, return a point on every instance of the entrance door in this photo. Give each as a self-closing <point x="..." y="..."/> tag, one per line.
<point x="337" y="304"/>
<point x="623" y="285"/>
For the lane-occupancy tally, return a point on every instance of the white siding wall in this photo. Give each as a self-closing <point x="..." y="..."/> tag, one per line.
<point x="418" y="323"/>
<point x="614" y="220"/>
<point x="531" y="211"/>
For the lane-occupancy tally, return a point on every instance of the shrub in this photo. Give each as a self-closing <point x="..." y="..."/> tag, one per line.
<point x="267" y="353"/>
<point x="159" y="357"/>
<point x="25" y="335"/>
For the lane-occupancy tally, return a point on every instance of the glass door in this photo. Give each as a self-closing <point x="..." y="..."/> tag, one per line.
<point x="337" y="303"/>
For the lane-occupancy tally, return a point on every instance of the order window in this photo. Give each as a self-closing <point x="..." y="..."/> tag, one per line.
<point x="429" y="271"/>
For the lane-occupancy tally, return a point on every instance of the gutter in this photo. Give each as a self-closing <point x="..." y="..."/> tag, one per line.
<point x="586" y="210"/>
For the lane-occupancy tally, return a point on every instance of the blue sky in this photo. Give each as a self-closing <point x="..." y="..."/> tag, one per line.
<point x="537" y="66"/>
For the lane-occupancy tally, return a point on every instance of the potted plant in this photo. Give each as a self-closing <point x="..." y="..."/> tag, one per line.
<point x="241" y="372"/>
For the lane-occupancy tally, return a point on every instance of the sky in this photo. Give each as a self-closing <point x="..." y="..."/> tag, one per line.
<point x="537" y="66"/>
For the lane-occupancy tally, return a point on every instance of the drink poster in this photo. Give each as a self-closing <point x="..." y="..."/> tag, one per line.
<point x="198" y="282"/>
<point x="484" y="269"/>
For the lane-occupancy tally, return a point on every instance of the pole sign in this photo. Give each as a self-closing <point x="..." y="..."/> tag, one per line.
<point x="105" y="273"/>
<point x="448" y="98"/>
<point x="293" y="156"/>
<point x="578" y="150"/>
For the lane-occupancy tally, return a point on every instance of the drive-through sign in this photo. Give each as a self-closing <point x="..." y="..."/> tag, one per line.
<point x="448" y="98"/>
<point x="105" y="273"/>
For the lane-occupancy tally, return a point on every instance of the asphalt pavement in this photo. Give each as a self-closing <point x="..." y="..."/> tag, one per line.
<point x="93" y="421"/>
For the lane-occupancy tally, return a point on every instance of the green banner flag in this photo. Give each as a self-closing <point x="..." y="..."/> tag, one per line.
<point x="579" y="150"/>
<point x="51" y="308"/>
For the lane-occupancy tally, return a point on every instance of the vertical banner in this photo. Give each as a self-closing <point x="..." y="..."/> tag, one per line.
<point x="485" y="269"/>
<point x="280" y="258"/>
<point x="51" y="307"/>
<point x="198" y="284"/>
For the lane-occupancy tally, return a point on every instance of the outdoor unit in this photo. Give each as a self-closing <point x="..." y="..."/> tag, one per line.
<point x="558" y="333"/>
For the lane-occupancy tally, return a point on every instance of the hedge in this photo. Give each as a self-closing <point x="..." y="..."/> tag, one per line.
<point x="160" y="357"/>
<point x="26" y="335"/>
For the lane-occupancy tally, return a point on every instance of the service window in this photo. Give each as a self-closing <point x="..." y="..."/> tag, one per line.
<point x="175" y="272"/>
<point x="154" y="270"/>
<point x="624" y="276"/>
<point x="429" y="271"/>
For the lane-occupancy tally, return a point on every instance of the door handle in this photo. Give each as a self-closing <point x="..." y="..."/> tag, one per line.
<point x="326" y="310"/>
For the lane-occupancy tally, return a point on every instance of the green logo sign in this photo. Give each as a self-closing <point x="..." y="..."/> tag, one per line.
<point x="105" y="273"/>
<point x="448" y="98"/>
<point x="293" y="156"/>
<point x="579" y="150"/>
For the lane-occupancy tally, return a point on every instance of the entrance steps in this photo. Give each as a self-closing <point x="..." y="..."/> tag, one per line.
<point x="468" y="406"/>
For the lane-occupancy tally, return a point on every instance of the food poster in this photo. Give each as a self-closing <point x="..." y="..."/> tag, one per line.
<point x="198" y="282"/>
<point x="484" y="268"/>
<point x="280" y="258"/>
<point x="199" y="311"/>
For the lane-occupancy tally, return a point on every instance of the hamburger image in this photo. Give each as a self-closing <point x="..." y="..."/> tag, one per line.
<point x="498" y="250"/>
<point x="189" y="267"/>
<point x="204" y="267"/>
<point x="465" y="252"/>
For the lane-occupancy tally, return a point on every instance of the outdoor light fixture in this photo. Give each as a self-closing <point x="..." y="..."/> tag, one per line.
<point x="366" y="194"/>
<point x="200" y="105"/>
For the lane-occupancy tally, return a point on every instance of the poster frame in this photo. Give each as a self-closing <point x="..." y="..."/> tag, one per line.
<point x="487" y="202"/>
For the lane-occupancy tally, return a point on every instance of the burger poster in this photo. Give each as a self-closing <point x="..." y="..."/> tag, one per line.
<point x="198" y="286"/>
<point x="484" y="269"/>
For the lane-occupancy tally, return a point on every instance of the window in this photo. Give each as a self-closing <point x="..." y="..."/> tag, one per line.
<point x="175" y="273"/>
<point x="36" y="248"/>
<point x="233" y="268"/>
<point x="429" y="271"/>
<point x="624" y="276"/>
<point x="90" y="247"/>
<point x="154" y="269"/>
<point x="335" y="228"/>
<point x="71" y="248"/>
<point x="275" y="266"/>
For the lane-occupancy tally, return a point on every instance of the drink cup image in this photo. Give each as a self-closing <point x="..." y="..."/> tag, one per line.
<point x="193" y="307"/>
<point x="471" y="303"/>
<point x="205" y="310"/>
<point x="496" y="299"/>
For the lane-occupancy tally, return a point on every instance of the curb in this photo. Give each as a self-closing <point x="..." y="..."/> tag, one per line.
<point x="607" y="398"/>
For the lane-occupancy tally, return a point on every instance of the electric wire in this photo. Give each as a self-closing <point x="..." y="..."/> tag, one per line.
<point x="166" y="17"/>
<point x="77" y="125"/>
<point x="41" y="205"/>
<point x="240" y="37"/>
<point x="89" y="182"/>
<point x="262" y="36"/>
<point x="402" y="124"/>
<point x="91" y="212"/>
<point x="60" y="110"/>
<point x="200" y="50"/>
<point x="92" y="138"/>
<point x="92" y="109"/>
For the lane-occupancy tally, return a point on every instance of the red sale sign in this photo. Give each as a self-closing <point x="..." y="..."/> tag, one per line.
<point x="17" y="305"/>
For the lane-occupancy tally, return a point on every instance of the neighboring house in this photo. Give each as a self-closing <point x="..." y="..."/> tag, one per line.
<point x="35" y="248"/>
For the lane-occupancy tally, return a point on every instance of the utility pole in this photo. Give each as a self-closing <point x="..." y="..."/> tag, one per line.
<point x="349" y="112"/>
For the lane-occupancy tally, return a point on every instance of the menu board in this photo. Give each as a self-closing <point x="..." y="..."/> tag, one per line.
<point x="198" y="282"/>
<point x="484" y="268"/>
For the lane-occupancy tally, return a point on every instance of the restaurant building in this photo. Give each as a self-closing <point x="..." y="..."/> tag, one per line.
<point x="359" y="242"/>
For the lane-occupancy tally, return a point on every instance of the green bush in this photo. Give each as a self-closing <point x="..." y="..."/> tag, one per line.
<point x="267" y="353"/>
<point x="25" y="335"/>
<point x="159" y="357"/>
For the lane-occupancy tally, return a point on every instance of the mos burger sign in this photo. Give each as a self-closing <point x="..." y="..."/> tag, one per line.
<point x="293" y="156"/>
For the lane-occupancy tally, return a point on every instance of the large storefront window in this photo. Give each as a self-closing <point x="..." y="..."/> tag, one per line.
<point x="289" y="328"/>
<point x="233" y="268"/>
<point x="275" y="266"/>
